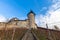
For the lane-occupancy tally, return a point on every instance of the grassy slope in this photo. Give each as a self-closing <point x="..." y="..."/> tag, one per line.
<point x="7" y="34"/>
<point x="43" y="34"/>
<point x="40" y="35"/>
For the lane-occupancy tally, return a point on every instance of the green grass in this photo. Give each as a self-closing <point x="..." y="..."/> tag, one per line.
<point x="40" y="35"/>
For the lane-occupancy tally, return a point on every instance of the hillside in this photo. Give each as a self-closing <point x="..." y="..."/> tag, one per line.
<point x="47" y="34"/>
<point x="12" y="34"/>
<point x="39" y="34"/>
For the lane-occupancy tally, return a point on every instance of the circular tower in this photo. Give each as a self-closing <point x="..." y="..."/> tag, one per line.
<point x="31" y="18"/>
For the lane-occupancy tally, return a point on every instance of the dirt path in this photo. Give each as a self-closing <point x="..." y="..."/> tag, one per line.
<point x="28" y="36"/>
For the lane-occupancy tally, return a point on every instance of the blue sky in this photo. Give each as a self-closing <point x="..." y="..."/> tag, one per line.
<point x="47" y="11"/>
<point x="20" y="8"/>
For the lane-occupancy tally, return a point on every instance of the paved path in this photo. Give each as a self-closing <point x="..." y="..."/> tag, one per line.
<point x="28" y="36"/>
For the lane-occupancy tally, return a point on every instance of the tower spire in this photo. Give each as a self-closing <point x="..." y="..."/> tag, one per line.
<point x="31" y="12"/>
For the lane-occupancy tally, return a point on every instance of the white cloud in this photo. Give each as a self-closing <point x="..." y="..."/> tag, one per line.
<point x="3" y="19"/>
<point x="52" y="16"/>
<point x="44" y="8"/>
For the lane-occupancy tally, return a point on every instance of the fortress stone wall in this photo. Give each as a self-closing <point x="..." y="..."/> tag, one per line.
<point x="15" y="22"/>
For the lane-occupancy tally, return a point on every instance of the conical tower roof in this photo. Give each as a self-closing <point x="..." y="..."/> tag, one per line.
<point x="31" y="12"/>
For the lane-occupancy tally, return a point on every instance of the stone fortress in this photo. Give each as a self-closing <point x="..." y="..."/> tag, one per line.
<point x="15" y="22"/>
